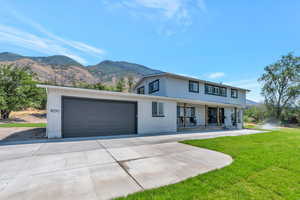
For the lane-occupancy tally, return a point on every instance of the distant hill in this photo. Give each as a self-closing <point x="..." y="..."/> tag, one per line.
<point x="66" y="71"/>
<point x="56" y="60"/>
<point x="48" y="60"/>
<point x="251" y="103"/>
<point x="110" y="70"/>
<point x="7" y="56"/>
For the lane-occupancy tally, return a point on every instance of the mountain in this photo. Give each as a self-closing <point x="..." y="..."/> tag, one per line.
<point x="250" y="103"/>
<point x="7" y="56"/>
<point x="63" y="70"/>
<point x="109" y="70"/>
<point x="56" y="60"/>
<point x="48" y="60"/>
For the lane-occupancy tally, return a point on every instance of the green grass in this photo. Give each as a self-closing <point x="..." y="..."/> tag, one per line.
<point x="266" y="166"/>
<point x="11" y="125"/>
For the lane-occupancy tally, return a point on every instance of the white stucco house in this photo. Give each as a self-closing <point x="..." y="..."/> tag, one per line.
<point x="160" y="103"/>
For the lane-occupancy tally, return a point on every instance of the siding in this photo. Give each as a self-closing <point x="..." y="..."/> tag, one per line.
<point x="180" y="88"/>
<point x="162" y="86"/>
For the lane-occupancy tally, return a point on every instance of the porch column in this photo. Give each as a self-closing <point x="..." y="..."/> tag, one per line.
<point x="218" y="116"/>
<point x="184" y="114"/>
<point x="206" y="116"/>
<point x="235" y="116"/>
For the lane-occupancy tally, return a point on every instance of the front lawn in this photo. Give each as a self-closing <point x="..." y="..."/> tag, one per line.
<point x="11" y="125"/>
<point x="266" y="166"/>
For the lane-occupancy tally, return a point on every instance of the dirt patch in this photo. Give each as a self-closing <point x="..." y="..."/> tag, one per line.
<point x="27" y="116"/>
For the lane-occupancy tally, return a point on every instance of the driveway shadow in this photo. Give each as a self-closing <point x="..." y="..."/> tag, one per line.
<point x="25" y="135"/>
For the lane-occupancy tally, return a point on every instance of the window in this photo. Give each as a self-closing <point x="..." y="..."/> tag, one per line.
<point x="141" y="90"/>
<point x="215" y="90"/>
<point x="223" y="92"/>
<point x="154" y="86"/>
<point x="234" y="93"/>
<point x="157" y="109"/>
<point x="194" y="86"/>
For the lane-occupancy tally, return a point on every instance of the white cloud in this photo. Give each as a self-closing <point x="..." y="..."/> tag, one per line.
<point x="188" y="75"/>
<point x="13" y="36"/>
<point x="49" y="43"/>
<point x="169" y="7"/>
<point x="202" y="5"/>
<point x="174" y="14"/>
<point x="216" y="75"/>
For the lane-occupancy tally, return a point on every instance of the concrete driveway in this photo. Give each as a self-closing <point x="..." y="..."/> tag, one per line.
<point x="103" y="168"/>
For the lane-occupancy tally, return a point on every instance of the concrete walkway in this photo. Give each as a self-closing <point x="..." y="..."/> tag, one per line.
<point x="104" y="168"/>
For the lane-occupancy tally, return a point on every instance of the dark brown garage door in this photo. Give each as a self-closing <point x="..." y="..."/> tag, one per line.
<point x="89" y="117"/>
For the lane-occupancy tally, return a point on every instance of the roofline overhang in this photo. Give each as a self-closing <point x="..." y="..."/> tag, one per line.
<point x="138" y="96"/>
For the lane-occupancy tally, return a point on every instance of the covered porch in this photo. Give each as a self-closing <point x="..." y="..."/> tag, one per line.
<point x="191" y="116"/>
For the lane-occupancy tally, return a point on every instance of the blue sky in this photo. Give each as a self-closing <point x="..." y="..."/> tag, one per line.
<point x="222" y="41"/>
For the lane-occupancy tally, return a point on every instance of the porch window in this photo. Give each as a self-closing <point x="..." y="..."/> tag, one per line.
<point x="186" y="116"/>
<point x="141" y="90"/>
<point x="154" y="86"/>
<point x="194" y="86"/>
<point x="234" y="93"/>
<point x="157" y="109"/>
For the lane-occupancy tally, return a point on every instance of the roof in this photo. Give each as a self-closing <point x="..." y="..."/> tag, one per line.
<point x="135" y="96"/>
<point x="187" y="78"/>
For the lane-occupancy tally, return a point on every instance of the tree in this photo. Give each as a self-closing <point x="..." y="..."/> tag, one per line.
<point x="18" y="90"/>
<point x="130" y="83"/>
<point x="257" y="113"/>
<point x="96" y="86"/>
<point x="281" y="84"/>
<point x="120" y="85"/>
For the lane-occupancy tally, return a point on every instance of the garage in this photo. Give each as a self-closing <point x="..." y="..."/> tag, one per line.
<point x="82" y="117"/>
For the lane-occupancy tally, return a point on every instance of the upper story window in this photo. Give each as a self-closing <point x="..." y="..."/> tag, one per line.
<point x="215" y="90"/>
<point x="234" y="93"/>
<point x="157" y="109"/>
<point x="154" y="86"/>
<point x="141" y="90"/>
<point x="194" y="86"/>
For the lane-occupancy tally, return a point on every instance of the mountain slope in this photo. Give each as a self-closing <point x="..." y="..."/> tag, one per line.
<point x="108" y="70"/>
<point x="63" y="70"/>
<point x="56" y="60"/>
<point x="7" y="56"/>
<point x="251" y="103"/>
<point x="47" y="60"/>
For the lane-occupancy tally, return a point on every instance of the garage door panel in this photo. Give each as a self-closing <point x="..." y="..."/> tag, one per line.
<point x="89" y="117"/>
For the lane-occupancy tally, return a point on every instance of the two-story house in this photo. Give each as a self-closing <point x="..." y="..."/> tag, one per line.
<point x="202" y="104"/>
<point x="162" y="103"/>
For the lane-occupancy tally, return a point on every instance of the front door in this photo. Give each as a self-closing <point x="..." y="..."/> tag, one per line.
<point x="212" y="115"/>
<point x="215" y="118"/>
<point x="186" y="116"/>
